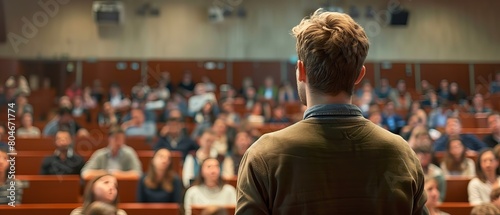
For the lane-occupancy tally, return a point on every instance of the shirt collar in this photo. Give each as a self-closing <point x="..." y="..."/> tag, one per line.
<point x="108" y="152"/>
<point x="335" y="110"/>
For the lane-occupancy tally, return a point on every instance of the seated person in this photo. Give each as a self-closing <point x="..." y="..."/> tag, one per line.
<point x="200" y="98"/>
<point x="160" y="183"/>
<point x="390" y="119"/>
<point x="453" y="129"/>
<point x="138" y="126"/>
<point x="79" y="110"/>
<point x="432" y="100"/>
<point x="64" y="119"/>
<point x="209" y="189"/>
<point x="64" y="161"/>
<point x="455" y="163"/>
<point x="279" y="115"/>
<point x="494" y="124"/>
<point x="117" y="159"/>
<point x="6" y="182"/>
<point x="193" y="160"/>
<point x="3" y="132"/>
<point x="483" y="209"/>
<point x="108" y="117"/>
<point x="423" y="152"/>
<point x="478" y="106"/>
<point x="495" y="198"/>
<point x="224" y="136"/>
<point x="432" y="191"/>
<point x="22" y="105"/>
<point x="174" y="137"/>
<point x="28" y="130"/>
<point x="103" y="188"/>
<point x="232" y="161"/>
<point x="479" y="188"/>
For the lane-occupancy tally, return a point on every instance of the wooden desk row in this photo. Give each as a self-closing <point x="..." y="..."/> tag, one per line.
<point x="67" y="188"/>
<point x="30" y="162"/>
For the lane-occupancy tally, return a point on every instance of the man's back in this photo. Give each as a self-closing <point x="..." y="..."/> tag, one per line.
<point x="331" y="166"/>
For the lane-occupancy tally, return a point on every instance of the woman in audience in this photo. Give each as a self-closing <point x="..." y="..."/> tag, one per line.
<point x="6" y="182"/>
<point x="101" y="208"/>
<point x="478" y="106"/>
<point x="193" y="160"/>
<point x="79" y="110"/>
<point x="456" y="95"/>
<point x="160" y="183"/>
<point x="108" y="117"/>
<point x="102" y="188"/>
<point x="28" y="130"/>
<point x="22" y="105"/>
<point x="424" y="155"/>
<point x="209" y="189"/>
<point x="432" y="192"/>
<point x="479" y="188"/>
<point x="455" y="163"/>
<point x="89" y="101"/>
<point x="231" y="163"/>
<point x="286" y="93"/>
<point x="408" y="129"/>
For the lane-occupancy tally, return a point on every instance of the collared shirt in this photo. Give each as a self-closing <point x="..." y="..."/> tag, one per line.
<point x="333" y="162"/>
<point x="53" y="165"/>
<point x="5" y="191"/>
<point x="146" y="129"/>
<point x="127" y="157"/>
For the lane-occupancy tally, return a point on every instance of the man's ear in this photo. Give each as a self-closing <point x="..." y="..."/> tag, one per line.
<point x="301" y="72"/>
<point x="361" y="75"/>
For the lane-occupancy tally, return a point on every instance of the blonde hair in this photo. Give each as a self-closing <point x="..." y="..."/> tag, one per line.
<point x="333" y="48"/>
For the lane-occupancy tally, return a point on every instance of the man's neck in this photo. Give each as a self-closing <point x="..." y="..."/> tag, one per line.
<point x="322" y="99"/>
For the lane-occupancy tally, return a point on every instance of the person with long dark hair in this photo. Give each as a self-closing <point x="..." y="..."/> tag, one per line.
<point x="160" y="183"/>
<point x="209" y="189"/>
<point x="455" y="162"/>
<point x="479" y="188"/>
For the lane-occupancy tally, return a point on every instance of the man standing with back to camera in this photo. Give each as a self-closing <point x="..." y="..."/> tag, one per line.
<point x="333" y="161"/>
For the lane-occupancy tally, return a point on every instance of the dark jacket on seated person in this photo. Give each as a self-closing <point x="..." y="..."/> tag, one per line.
<point x="470" y="141"/>
<point x="53" y="165"/>
<point x="145" y="194"/>
<point x="184" y="145"/>
<point x="490" y="141"/>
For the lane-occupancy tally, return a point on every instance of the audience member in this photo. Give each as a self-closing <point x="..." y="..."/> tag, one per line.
<point x="268" y="91"/>
<point x="384" y="90"/>
<point x="478" y="106"/>
<point x="431" y="100"/>
<point x="485" y="209"/>
<point x="246" y="83"/>
<point x="23" y="106"/>
<point x="455" y="163"/>
<point x="165" y="78"/>
<point x="102" y="188"/>
<point x="209" y="189"/>
<point x="233" y="119"/>
<point x="117" y="99"/>
<point x="224" y="136"/>
<point x="444" y="90"/>
<point x="279" y="116"/>
<point x="79" y="109"/>
<point x="493" y="138"/>
<point x="495" y="84"/>
<point x="160" y="183"/>
<point x="413" y="122"/>
<point x="391" y="120"/>
<point x="430" y="170"/>
<point x="174" y="137"/>
<point x="209" y="85"/>
<point x="23" y="86"/>
<point x="138" y="125"/>
<point x="117" y="159"/>
<point x="193" y="160"/>
<point x="186" y="87"/>
<point x="432" y="191"/>
<point x="88" y="100"/>
<point x="108" y="117"/>
<point x="479" y="188"/>
<point x="214" y="210"/>
<point x="400" y="96"/>
<point x="250" y="97"/>
<point x="157" y="97"/>
<point x="65" y="102"/>
<point x="64" y="161"/>
<point x="376" y="118"/>
<point x="200" y="98"/>
<point x="64" y="120"/>
<point x="97" y="91"/>
<point x="286" y="93"/>
<point x="438" y="117"/>
<point x="232" y="160"/>
<point x="453" y="130"/>
<point x="27" y="130"/>
<point x="204" y="119"/>
<point x="3" y="132"/>
<point x="6" y="181"/>
<point x="425" y="87"/>
<point x="73" y="90"/>
<point x="456" y="95"/>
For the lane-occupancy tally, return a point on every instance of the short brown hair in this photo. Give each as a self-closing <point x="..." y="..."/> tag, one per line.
<point x="333" y="48"/>
<point x="115" y="130"/>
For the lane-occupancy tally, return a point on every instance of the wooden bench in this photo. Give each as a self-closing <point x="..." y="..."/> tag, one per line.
<point x="65" y="209"/>
<point x="231" y="181"/>
<point x="456" y="189"/>
<point x="197" y="209"/>
<point x="30" y="162"/>
<point x="456" y="208"/>
<point x="50" y="188"/>
<point x="480" y="133"/>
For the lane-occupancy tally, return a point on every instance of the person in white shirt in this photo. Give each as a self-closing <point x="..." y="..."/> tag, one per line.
<point x="209" y="189"/>
<point x="193" y="160"/>
<point x="455" y="163"/>
<point x="479" y="188"/>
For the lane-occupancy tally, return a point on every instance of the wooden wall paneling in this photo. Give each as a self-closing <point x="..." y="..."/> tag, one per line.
<point x="483" y="75"/>
<point x="396" y="72"/>
<point x="8" y="67"/>
<point x="434" y="73"/>
<point x="258" y="71"/>
<point x="107" y="72"/>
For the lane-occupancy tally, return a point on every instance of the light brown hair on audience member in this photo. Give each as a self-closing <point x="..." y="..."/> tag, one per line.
<point x="479" y="171"/>
<point x="151" y="181"/>
<point x="485" y="209"/>
<point x="333" y="48"/>
<point x="101" y="208"/>
<point x="89" y="196"/>
<point x="115" y="130"/>
<point x="214" y="210"/>
<point x="495" y="194"/>
<point x="200" y="180"/>
<point x="449" y="160"/>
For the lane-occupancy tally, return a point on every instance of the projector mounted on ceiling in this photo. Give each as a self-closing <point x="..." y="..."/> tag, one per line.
<point x="108" y="12"/>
